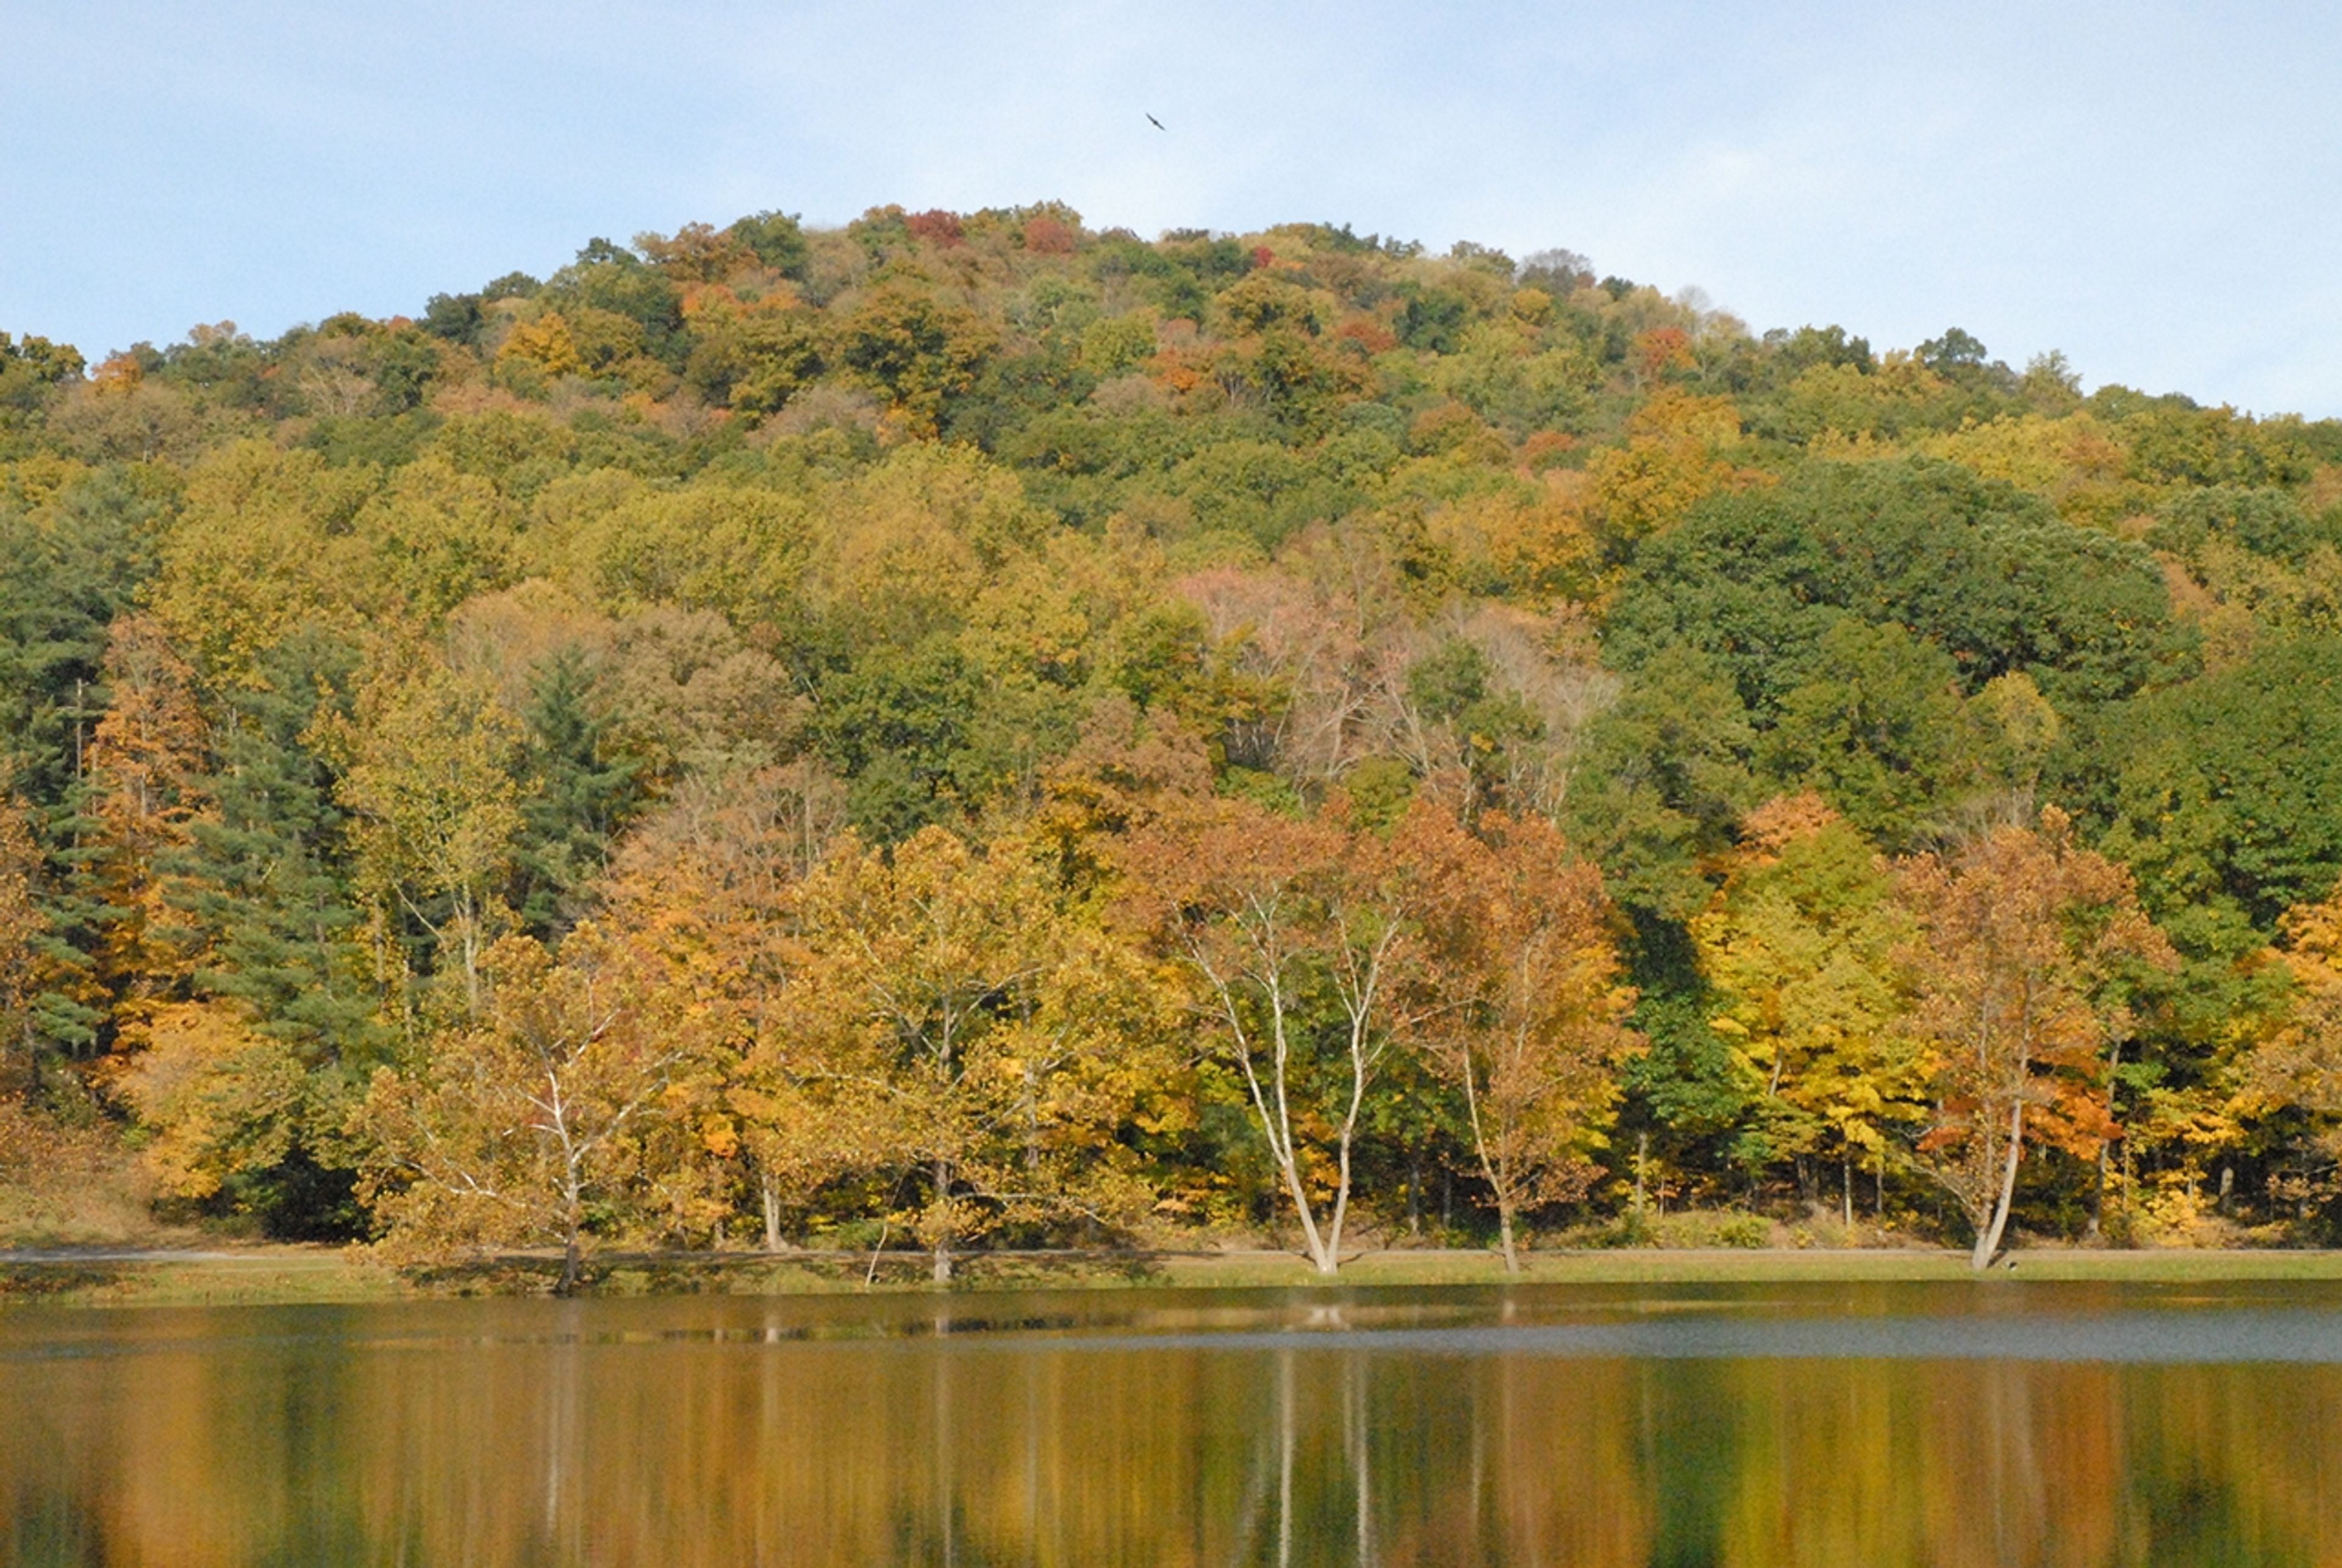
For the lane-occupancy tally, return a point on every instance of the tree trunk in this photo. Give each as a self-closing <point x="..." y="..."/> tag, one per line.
<point x="1505" y="1236"/>
<point x="1331" y="1263"/>
<point x="573" y="1225"/>
<point x="468" y="942"/>
<point x="1272" y="1110"/>
<point x="2130" y="1181"/>
<point x="1317" y="1245"/>
<point x="2098" y="1191"/>
<point x="1987" y="1243"/>
<point x="941" y="1270"/>
<point x="1325" y="1252"/>
<point x="1642" y="1158"/>
<point x="2096" y="1225"/>
<point x="770" y="1194"/>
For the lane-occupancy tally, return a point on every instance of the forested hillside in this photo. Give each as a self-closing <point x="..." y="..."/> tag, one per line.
<point x="970" y="730"/>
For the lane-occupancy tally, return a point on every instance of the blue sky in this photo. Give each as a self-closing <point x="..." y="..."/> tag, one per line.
<point x="2148" y="187"/>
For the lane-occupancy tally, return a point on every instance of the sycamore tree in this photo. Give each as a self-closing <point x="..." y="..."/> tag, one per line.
<point x="1518" y="1004"/>
<point x="2028" y="951"/>
<point x="1295" y="934"/>
<point x="515" y="1125"/>
<point x="1008" y="1038"/>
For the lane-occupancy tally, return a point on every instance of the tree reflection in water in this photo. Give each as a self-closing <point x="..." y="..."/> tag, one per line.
<point x="726" y="1431"/>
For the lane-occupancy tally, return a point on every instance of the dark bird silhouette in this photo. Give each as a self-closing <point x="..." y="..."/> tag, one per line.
<point x="1154" y="122"/>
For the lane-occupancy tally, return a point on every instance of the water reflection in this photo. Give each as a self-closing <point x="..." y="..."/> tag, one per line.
<point x="1394" y="1428"/>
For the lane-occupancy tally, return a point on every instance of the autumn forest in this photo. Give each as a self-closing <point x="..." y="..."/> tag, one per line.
<point x="969" y="731"/>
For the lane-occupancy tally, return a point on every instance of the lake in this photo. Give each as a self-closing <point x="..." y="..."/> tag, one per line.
<point x="1996" y="1423"/>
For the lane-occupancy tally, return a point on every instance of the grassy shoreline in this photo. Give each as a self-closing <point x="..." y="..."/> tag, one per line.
<point x="274" y="1276"/>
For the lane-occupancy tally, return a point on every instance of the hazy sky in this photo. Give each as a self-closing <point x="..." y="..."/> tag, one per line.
<point x="2150" y="187"/>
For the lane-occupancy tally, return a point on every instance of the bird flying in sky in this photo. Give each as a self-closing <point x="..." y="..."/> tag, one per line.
<point x="1154" y="122"/>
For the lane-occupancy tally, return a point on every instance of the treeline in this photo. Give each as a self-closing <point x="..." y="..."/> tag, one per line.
<point x="974" y="729"/>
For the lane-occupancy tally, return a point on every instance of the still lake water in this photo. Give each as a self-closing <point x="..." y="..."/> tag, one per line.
<point x="1990" y="1423"/>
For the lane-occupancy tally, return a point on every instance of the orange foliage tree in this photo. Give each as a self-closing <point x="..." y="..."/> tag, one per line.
<point x="145" y="763"/>
<point x="1519" y="1006"/>
<point x="23" y="961"/>
<point x="2028" y="951"/>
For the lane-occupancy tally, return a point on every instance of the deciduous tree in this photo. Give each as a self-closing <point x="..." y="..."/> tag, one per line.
<point x="2026" y="943"/>
<point x="145" y="760"/>
<point x="1801" y="945"/>
<point x="23" y="961"/>
<point x="430" y="778"/>
<point x="514" y="1122"/>
<point x="783" y="1084"/>
<point x="2298" y="1066"/>
<point x="1013" y="1035"/>
<point x="1519" y="1005"/>
<point x="1295" y="933"/>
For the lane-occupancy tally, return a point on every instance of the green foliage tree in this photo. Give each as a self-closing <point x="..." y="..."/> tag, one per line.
<point x="2227" y="791"/>
<point x="1982" y="572"/>
<point x="264" y="888"/>
<point x="1880" y="731"/>
<point x="576" y="796"/>
<point x="430" y="758"/>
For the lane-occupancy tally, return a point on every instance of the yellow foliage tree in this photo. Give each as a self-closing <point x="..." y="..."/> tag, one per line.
<point x="1800" y="945"/>
<point x="24" y="961"/>
<point x="430" y="772"/>
<point x="2298" y="1066"/>
<point x="261" y="545"/>
<point x="1675" y="456"/>
<point x="435" y="537"/>
<point x="513" y="1121"/>
<point x="1012" y="1037"/>
<point x="2076" y="463"/>
<point x="544" y="343"/>
<point x="218" y="1099"/>
<point x="713" y="885"/>
<point x="1531" y="544"/>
